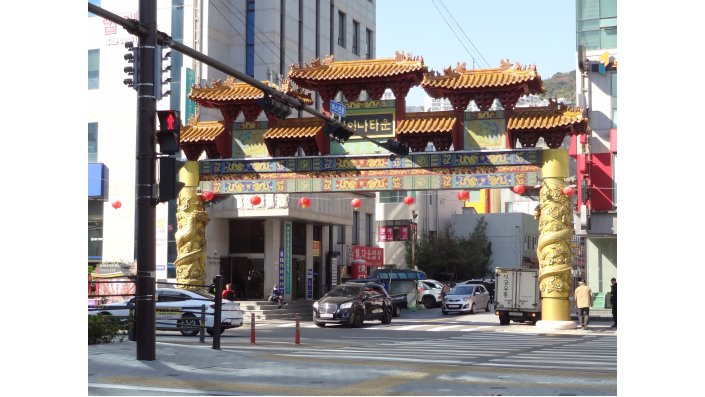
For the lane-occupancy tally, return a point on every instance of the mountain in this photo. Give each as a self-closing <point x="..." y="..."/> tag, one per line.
<point x="560" y="85"/>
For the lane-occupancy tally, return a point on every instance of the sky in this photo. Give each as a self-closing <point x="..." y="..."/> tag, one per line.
<point x="528" y="32"/>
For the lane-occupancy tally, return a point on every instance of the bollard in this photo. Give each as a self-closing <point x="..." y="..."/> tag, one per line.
<point x="202" y="333"/>
<point x="252" y="328"/>
<point x="297" y="340"/>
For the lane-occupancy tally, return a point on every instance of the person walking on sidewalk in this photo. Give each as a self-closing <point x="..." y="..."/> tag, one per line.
<point x="583" y="301"/>
<point x="613" y="301"/>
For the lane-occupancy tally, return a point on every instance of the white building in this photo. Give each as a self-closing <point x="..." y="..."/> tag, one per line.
<point x="262" y="39"/>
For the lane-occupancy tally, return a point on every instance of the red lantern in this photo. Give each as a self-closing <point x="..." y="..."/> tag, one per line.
<point x="117" y="204"/>
<point x="356" y="202"/>
<point x="255" y="200"/>
<point x="518" y="189"/>
<point x="304" y="202"/>
<point x="568" y="191"/>
<point x="408" y="200"/>
<point x="463" y="195"/>
<point x="207" y="195"/>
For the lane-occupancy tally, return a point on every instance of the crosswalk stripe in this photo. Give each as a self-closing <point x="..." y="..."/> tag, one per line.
<point x="443" y="328"/>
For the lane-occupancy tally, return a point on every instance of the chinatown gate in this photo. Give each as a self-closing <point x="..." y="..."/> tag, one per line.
<point x="473" y="150"/>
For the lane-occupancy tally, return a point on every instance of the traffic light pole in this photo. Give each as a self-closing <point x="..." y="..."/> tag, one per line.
<point x="145" y="213"/>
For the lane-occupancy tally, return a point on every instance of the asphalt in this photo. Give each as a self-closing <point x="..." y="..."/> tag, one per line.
<point x="188" y="366"/>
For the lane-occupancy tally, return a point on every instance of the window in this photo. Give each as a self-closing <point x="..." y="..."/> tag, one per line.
<point x="614" y="100"/>
<point x="341" y="29"/>
<point x="597" y="24"/>
<point x="368" y="231"/>
<point x="356" y="228"/>
<point x="93" y="69"/>
<point x="356" y="38"/>
<point x="341" y="234"/>
<point x="250" y="39"/>
<point x="368" y="50"/>
<point x="92" y="142"/>
<point x="394" y="196"/>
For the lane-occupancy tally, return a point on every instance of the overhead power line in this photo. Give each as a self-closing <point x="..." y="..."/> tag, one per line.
<point x="463" y="31"/>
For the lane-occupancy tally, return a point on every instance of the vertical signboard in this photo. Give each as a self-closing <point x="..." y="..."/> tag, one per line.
<point x="309" y="283"/>
<point x="287" y="258"/>
<point x="281" y="269"/>
<point x="190" y="107"/>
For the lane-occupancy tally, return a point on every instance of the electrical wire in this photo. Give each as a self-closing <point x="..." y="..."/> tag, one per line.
<point x="463" y="31"/>
<point x="454" y="33"/>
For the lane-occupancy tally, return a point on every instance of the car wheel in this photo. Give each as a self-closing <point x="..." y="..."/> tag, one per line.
<point x="503" y="320"/>
<point x="397" y="311"/>
<point x="444" y="311"/>
<point x="357" y="319"/>
<point x="319" y="324"/>
<point x="487" y="308"/>
<point x="188" y="325"/>
<point x="428" y="302"/>
<point x="387" y="316"/>
<point x="472" y="308"/>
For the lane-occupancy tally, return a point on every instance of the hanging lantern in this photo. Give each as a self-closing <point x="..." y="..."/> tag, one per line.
<point x="207" y="195"/>
<point x="356" y="203"/>
<point x="255" y="200"/>
<point x="408" y="200"/>
<point x="304" y="202"/>
<point x="518" y="189"/>
<point x="463" y="195"/>
<point x="568" y="191"/>
<point x="117" y="204"/>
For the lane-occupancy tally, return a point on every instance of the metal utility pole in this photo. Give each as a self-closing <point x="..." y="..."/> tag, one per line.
<point x="145" y="214"/>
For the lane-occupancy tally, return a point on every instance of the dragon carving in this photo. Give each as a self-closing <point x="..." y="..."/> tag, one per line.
<point x="556" y="229"/>
<point x="190" y="237"/>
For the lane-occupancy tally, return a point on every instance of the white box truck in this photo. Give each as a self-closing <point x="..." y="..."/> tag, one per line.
<point x="517" y="295"/>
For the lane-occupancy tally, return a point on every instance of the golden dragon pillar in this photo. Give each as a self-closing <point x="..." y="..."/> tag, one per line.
<point x="555" y="222"/>
<point x="190" y="235"/>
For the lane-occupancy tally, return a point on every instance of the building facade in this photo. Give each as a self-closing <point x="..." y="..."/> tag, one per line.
<point x="263" y="39"/>
<point x="596" y="155"/>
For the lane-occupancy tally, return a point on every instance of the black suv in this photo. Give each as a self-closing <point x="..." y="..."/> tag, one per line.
<point x="352" y="304"/>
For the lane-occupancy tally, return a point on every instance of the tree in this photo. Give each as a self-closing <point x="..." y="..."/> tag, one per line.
<point x="447" y="258"/>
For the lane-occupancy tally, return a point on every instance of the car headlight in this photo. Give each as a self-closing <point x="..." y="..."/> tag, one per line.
<point x="466" y="298"/>
<point x="346" y="305"/>
<point x="315" y="305"/>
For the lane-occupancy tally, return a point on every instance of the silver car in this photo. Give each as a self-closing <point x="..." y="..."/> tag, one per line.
<point x="430" y="293"/>
<point x="466" y="298"/>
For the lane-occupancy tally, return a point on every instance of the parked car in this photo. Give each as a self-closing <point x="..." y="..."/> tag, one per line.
<point x="352" y="304"/>
<point x="430" y="293"/>
<point x="180" y="309"/>
<point x="466" y="298"/>
<point x="488" y="284"/>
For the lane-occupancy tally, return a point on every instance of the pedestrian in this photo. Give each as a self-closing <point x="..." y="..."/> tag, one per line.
<point x="277" y="296"/>
<point x="613" y="301"/>
<point x="445" y="290"/>
<point x="583" y="301"/>
<point x="229" y="292"/>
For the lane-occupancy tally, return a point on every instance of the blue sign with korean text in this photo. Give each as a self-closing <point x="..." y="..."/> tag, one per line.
<point x="309" y="283"/>
<point x="337" y="108"/>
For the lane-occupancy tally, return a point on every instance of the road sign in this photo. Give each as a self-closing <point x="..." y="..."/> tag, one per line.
<point x="337" y="108"/>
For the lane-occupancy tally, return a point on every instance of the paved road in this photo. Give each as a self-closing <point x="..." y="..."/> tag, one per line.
<point x="420" y="353"/>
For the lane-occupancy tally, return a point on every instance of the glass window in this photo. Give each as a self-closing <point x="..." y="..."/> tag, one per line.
<point x="368" y="50"/>
<point x="368" y="232"/>
<point x="341" y="29"/>
<point x="356" y="228"/>
<point x="356" y="38"/>
<point x="247" y="236"/>
<point x="92" y="142"/>
<point x="93" y="69"/>
<point x="613" y="93"/>
<point x="394" y="196"/>
<point x="250" y="39"/>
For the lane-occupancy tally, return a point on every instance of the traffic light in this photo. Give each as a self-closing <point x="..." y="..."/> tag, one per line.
<point x="168" y="182"/>
<point x="336" y="131"/>
<point x="169" y="131"/>
<point x="396" y="147"/>
<point x="132" y="70"/>
<point x="274" y="107"/>
<point x="160" y="70"/>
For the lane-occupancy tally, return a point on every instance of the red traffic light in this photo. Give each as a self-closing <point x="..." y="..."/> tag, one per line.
<point x="168" y="120"/>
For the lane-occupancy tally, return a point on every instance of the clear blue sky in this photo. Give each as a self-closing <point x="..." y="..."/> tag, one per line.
<point x="530" y="32"/>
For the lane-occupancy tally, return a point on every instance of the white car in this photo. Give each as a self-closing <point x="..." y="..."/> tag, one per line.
<point x="466" y="298"/>
<point x="180" y="309"/>
<point x="430" y="293"/>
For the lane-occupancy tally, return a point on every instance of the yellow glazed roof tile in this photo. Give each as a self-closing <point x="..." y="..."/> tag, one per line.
<point x="330" y="70"/>
<point x="235" y="91"/>
<point x="459" y="78"/>
<point x="546" y="117"/>
<point x="306" y="127"/>
<point x="425" y="122"/>
<point x="201" y="131"/>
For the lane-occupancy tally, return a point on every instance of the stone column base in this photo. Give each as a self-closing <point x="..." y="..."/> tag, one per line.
<point x="546" y="324"/>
